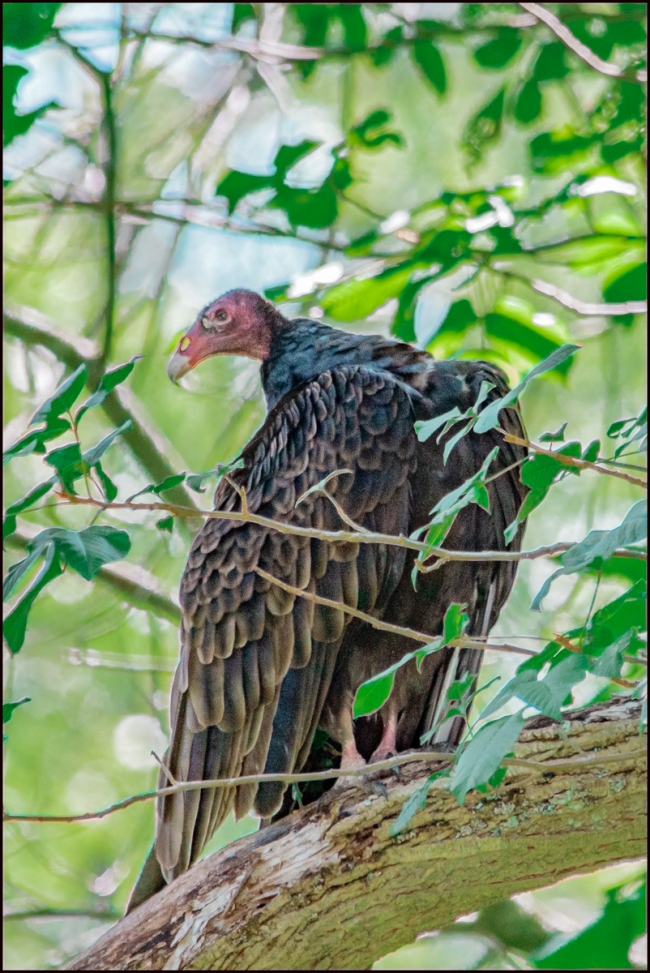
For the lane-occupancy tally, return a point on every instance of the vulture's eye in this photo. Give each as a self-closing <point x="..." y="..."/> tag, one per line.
<point x="221" y="315"/>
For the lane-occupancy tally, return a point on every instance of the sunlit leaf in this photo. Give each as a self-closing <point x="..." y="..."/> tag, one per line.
<point x="484" y="753"/>
<point x="15" y="624"/>
<point x="64" y="397"/>
<point x="429" y="59"/>
<point x="108" y="382"/>
<point x="9" y="708"/>
<point x="489" y="418"/>
<point x="599" y="545"/>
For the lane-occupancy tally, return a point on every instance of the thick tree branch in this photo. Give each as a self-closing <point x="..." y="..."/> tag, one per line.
<point x="32" y="329"/>
<point x="137" y="585"/>
<point x="581" y="50"/>
<point x="328" y="887"/>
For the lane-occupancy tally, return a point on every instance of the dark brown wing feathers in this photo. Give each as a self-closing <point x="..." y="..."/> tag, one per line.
<point x="257" y="662"/>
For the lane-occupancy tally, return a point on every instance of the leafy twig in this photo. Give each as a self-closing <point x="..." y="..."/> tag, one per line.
<point x="581" y="464"/>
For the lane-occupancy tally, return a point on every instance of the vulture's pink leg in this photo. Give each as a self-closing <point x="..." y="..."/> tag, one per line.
<point x="351" y="759"/>
<point x="387" y="746"/>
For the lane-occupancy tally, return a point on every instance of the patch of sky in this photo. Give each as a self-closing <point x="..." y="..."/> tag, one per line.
<point x="206" y="21"/>
<point x="94" y="28"/>
<point x="209" y="262"/>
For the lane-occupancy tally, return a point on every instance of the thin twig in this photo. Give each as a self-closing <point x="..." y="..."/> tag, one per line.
<point x="579" y="49"/>
<point x="106" y="915"/>
<point x="409" y="633"/>
<point x="166" y="771"/>
<point x="345" y="536"/>
<point x="581" y="464"/>
<point x="550" y="766"/>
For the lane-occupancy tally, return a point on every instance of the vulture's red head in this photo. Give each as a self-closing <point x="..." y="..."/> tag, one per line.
<point x="237" y="323"/>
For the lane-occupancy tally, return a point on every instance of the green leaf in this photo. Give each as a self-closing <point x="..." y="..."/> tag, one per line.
<point x="9" y="525"/>
<point x="235" y="185"/>
<point x="25" y="25"/>
<point x="528" y="106"/>
<point x="498" y="52"/>
<point x="483" y="754"/>
<point x="536" y="342"/>
<point x="174" y="480"/>
<point x="372" y="695"/>
<point x="489" y="418"/>
<point x="555" y="151"/>
<point x="455" y="623"/>
<point x="315" y="208"/>
<point x="484" y="127"/>
<point x="608" y="940"/>
<point x="15" y="624"/>
<point x="546" y="695"/>
<point x="617" y="617"/>
<point x="599" y="545"/>
<point x="109" y="488"/>
<point x="166" y="523"/>
<point x="64" y="397"/>
<point x="354" y="300"/>
<point x="8" y="708"/>
<point x="86" y="551"/>
<point x="93" y="455"/>
<point x="630" y="286"/>
<point x="109" y="381"/>
<point x="355" y="31"/>
<point x="288" y="155"/>
<point x="34" y="442"/>
<point x="550" y="64"/>
<point x="554" y="437"/>
<point x="460" y="317"/>
<point x="425" y="428"/>
<point x="455" y="500"/>
<point x="416" y="802"/>
<point x="591" y="451"/>
<point x="14" y="124"/>
<point x="538" y="473"/>
<point x="429" y="60"/>
<point x="610" y="662"/>
<point x="68" y="463"/>
<point x="371" y="132"/>
<point x="240" y="13"/>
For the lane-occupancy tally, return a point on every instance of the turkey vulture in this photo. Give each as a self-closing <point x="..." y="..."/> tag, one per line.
<point x="261" y="668"/>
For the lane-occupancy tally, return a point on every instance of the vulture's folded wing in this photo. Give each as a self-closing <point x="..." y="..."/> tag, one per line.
<point x="256" y="660"/>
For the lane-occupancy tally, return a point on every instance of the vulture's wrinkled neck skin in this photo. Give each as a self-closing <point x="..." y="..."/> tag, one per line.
<point x="304" y="349"/>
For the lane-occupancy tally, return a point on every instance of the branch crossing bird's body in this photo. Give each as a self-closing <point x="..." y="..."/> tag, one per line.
<point x="262" y="668"/>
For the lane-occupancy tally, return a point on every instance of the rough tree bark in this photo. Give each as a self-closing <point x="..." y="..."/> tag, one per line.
<point x="328" y="888"/>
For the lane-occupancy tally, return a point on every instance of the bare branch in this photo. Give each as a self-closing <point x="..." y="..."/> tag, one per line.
<point x="408" y="633"/>
<point x="105" y="915"/>
<point x="347" y="536"/>
<point x="534" y="766"/>
<point x="584" y="307"/>
<point x="581" y="50"/>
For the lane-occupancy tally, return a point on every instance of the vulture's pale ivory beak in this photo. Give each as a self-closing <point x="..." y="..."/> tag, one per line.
<point x="177" y="366"/>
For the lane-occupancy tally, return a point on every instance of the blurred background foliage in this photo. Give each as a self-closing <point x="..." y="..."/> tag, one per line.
<point x="449" y="173"/>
